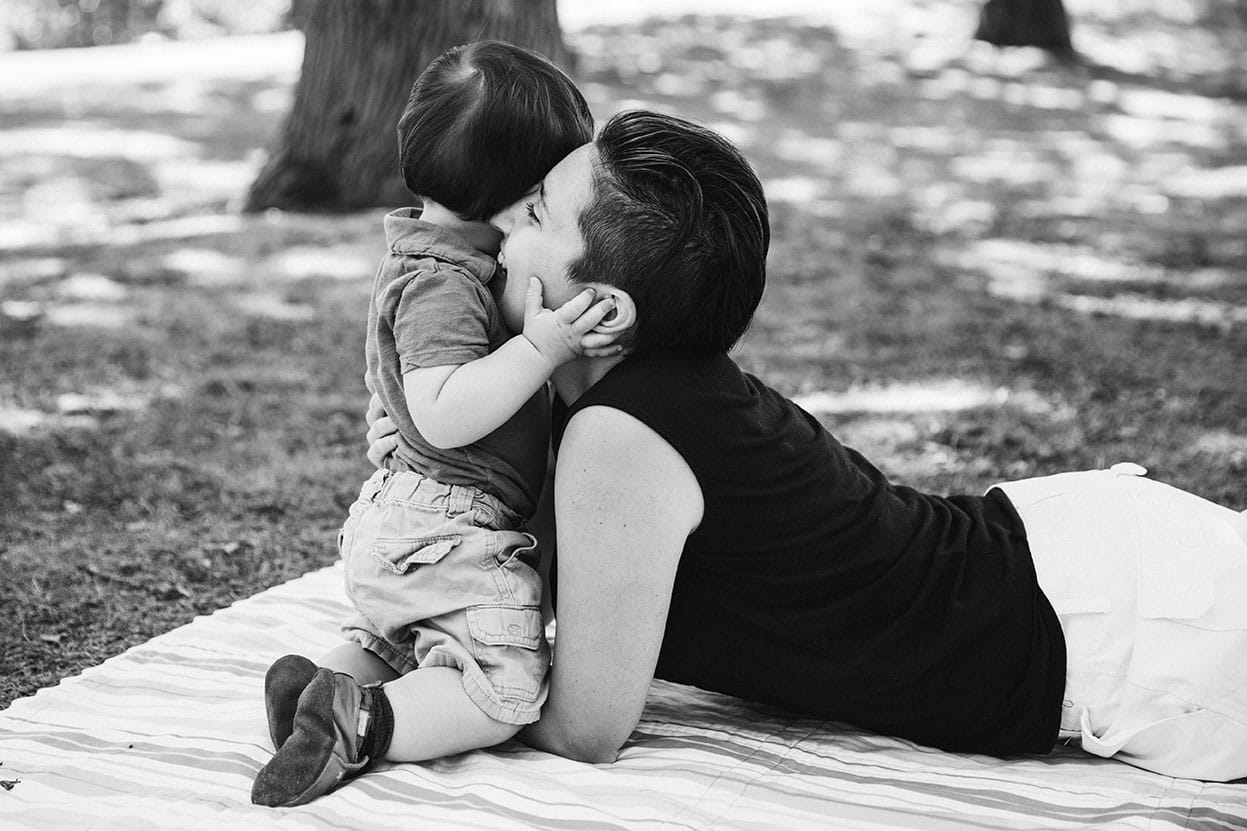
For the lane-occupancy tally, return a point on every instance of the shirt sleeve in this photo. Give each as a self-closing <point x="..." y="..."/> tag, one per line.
<point x="441" y="319"/>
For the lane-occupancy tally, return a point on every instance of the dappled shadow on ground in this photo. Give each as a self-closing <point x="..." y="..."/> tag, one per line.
<point x="981" y="152"/>
<point x="918" y="181"/>
<point x="942" y="209"/>
<point x="984" y="266"/>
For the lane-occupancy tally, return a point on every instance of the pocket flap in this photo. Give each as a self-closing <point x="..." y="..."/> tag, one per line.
<point x="506" y="626"/>
<point x="401" y="555"/>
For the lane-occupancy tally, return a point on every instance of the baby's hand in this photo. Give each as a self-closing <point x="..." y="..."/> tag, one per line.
<point x="562" y="334"/>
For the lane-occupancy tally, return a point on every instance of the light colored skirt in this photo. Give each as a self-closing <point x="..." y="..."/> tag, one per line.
<point x="1150" y="585"/>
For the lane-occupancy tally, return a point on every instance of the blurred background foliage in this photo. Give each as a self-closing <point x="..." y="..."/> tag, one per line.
<point x="54" y="24"/>
<point x="51" y="24"/>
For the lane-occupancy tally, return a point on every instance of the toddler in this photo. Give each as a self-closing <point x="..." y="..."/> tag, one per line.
<point x="437" y="564"/>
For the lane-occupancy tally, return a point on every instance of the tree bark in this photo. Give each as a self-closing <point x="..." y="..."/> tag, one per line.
<point x="1041" y="23"/>
<point x="337" y="149"/>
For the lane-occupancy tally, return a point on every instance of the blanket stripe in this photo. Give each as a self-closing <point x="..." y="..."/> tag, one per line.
<point x="172" y="732"/>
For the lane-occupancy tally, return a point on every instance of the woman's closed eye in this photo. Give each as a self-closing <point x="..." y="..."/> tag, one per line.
<point x="532" y="213"/>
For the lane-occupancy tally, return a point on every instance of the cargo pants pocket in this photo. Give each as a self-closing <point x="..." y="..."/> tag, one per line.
<point x="402" y="555"/>
<point x="510" y="646"/>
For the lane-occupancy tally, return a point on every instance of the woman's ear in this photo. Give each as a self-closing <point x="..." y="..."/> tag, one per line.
<point x="622" y="319"/>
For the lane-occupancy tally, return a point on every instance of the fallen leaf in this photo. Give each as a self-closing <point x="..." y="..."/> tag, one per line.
<point x="167" y="590"/>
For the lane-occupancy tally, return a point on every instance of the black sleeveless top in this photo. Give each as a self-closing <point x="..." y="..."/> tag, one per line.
<point x="815" y="584"/>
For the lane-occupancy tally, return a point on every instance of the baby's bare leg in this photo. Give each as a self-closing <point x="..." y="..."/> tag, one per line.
<point x="364" y="666"/>
<point x="433" y="717"/>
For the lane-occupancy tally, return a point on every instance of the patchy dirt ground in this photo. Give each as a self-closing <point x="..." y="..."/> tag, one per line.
<point x="984" y="266"/>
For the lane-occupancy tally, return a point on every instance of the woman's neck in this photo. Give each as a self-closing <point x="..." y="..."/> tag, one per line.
<point x="573" y="379"/>
<point x="477" y="233"/>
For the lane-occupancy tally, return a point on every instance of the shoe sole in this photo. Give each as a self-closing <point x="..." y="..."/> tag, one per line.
<point x="284" y="682"/>
<point x="293" y="776"/>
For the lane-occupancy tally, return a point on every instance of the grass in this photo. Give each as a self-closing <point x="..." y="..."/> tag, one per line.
<point x="983" y="267"/>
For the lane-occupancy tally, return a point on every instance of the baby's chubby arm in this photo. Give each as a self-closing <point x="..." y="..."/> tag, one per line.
<point x="456" y="405"/>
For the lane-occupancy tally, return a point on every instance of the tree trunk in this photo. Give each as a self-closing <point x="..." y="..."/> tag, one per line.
<point x="1041" y="23"/>
<point x="337" y="149"/>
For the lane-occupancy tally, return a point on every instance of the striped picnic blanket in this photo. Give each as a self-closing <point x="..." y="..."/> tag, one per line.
<point x="171" y="733"/>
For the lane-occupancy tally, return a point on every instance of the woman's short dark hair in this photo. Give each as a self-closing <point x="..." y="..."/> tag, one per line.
<point x="485" y="122"/>
<point x="678" y="220"/>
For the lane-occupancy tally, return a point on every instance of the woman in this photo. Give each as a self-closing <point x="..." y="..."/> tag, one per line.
<point x="710" y="532"/>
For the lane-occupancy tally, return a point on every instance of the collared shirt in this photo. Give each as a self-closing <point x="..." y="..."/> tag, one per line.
<point x="431" y="306"/>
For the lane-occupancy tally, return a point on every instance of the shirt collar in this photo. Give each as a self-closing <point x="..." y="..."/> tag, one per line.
<point x="406" y="233"/>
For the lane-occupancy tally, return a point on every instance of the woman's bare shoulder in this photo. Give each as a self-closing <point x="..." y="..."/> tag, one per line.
<point x="618" y="456"/>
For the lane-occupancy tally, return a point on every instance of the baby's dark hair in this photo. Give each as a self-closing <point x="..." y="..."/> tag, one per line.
<point x="485" y="122"/>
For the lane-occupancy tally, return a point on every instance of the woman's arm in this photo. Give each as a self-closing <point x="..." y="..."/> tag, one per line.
<point x="626" y="501"/>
